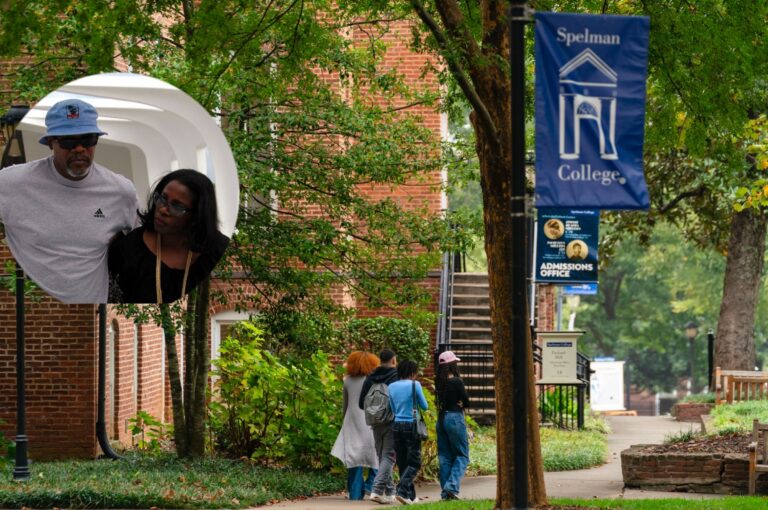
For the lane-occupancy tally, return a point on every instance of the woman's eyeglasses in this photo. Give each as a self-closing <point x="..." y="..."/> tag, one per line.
<point x="71" y="142"/>
<point x="173" y="209"/>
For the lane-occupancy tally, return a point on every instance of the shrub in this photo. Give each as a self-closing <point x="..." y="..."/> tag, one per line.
<point x="401" y="335"/>
<point x="682" y="436"/>
<point x="699" y="398"/>
<point x="272" y="409"/>
<point x="148" y="433"/>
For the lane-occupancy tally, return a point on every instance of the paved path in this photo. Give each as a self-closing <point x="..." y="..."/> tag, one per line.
<point x="601" y="482"/>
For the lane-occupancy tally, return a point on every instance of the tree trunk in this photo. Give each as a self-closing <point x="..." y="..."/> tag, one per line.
<point x="484" y="79"/>
<point x="196" y="418"/>
<point x="174" y="376"/>
<point x="735" y="341"/>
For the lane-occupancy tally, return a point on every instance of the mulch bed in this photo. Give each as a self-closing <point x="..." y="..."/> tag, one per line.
<point x="730" y="443"/>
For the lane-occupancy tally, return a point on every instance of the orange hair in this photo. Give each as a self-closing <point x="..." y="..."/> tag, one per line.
<point x="361" y="363"/>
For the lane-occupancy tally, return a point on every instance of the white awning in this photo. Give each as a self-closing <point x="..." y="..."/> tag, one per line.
<point x="153" y="128"/>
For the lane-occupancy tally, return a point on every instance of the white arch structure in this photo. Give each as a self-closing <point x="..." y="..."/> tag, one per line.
<point x="152" y="128"/>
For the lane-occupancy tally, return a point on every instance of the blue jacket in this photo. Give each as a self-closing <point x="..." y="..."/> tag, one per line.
<point x="401" y="399"/>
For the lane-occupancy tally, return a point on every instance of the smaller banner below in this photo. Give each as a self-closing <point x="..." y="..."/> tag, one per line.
<point x="566" y="246"/>
<point x="582" y="289"/>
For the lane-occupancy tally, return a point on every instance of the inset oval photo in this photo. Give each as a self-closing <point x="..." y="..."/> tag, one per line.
<point x="577" y="250"/>
<point x="554" y="229"/>
<point x="127" y="192"/>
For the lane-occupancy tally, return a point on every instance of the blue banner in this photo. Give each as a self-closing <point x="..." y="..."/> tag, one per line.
<point x="566" y="246"/>
<point x="582" y="289"/>
<point x="590" y="110"/>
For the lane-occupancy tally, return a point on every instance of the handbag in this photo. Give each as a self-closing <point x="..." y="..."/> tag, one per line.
<point x="421" y="426"/>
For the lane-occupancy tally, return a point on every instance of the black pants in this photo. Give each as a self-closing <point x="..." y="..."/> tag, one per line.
<point x="408" y="452"/>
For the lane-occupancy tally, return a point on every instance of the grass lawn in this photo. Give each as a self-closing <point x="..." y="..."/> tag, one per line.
<point x="145" y="481"/>
<point x="728" y="503"/>
<point x="561" y="450"/>
<point x="161" y="481"/>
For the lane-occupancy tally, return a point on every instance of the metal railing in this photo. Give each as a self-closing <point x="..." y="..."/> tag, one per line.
<point x="563" y="405"/>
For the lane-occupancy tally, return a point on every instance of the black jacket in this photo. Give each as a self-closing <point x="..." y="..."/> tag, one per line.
<point x="387" y="375"/>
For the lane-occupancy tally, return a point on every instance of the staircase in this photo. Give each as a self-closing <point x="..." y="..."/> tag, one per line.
<point x="470" y="338"/>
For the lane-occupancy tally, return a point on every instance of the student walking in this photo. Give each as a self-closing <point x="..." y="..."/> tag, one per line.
<point x="452" y="442"/>
<point x="404" y="397"/>
<point x="354" y="445"/>
<point x="383" y="490"/>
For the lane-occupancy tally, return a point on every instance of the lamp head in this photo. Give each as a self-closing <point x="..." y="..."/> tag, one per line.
<point x="14" y="115"/>
<point x="691" y="330"/>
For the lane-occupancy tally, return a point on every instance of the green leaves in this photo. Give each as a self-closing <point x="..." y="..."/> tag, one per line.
<point x="274" y="409"/>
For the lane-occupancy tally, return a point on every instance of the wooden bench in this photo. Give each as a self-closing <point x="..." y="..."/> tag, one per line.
<point x="740" y="386"/>
<point x="758" y="453"/>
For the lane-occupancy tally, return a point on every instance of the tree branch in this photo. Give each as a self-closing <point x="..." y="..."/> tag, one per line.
<point x="470" y="50"/>
<point x="696" y="192"/>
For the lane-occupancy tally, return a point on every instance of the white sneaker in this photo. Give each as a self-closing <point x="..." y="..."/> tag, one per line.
<point x="403" y="500"/>
<point x="378" y="498"/>
<point x="390" y="500"/>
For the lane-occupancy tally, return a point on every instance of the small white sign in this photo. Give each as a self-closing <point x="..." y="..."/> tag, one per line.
<point x="558" y="357"/>
<point x="607" y="386"/>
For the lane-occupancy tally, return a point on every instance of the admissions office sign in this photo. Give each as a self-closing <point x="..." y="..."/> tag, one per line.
<point x="590" y="110"/>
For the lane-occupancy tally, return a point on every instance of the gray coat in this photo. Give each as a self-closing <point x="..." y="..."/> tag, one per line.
<point x="354" y="445"/>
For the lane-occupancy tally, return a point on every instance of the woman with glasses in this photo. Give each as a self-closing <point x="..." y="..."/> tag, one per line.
<point x="175" y="248"/>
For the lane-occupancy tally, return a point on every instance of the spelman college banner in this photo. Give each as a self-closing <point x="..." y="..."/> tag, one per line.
<point x="590" y="110"/>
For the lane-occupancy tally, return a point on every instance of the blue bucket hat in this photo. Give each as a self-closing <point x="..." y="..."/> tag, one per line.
<point x="71" y="117"/>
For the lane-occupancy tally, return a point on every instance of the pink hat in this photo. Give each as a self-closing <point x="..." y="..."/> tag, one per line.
<point x="448" y="357"/>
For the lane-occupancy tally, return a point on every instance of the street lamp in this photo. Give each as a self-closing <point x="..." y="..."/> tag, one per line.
<point x="13" y="153"/>
<point x="691" y="330"/>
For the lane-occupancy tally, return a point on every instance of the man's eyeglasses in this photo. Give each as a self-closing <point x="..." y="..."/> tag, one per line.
<point x="173" y="209"/>
<point x="70" y="143"/>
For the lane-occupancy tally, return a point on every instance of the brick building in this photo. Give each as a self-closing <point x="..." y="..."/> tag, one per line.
<point x="61" y="340"/>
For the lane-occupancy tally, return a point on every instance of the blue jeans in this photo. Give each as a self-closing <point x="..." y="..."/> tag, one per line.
<point x="355" y="484"/>
<point x="408" y="456"/>
<point x="452" y="452"/>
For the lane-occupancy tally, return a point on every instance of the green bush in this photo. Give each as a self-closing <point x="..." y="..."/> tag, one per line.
<point x="738" y="417"/>
<point x="148" y="433"/>
<point x="699" y="398"/>
<point x="401" y="335"/>
<point x="284" y="410"/>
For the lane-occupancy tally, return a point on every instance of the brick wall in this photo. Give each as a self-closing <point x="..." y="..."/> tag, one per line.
<point x="713" y="473"/>
<point x="60" y="374"/>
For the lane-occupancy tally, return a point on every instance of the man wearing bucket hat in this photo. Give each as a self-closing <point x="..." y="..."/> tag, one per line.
<point x="60" y="212"/>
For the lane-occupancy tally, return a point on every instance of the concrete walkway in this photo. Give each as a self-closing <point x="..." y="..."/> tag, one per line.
<point x="600" y="482"/>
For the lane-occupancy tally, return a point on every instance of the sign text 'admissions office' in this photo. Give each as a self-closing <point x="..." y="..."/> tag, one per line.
<point x="566" y="245"/>
<point x="590" y="110"/>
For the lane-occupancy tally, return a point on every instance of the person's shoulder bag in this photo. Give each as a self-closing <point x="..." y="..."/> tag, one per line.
<point x="421" y="426"/>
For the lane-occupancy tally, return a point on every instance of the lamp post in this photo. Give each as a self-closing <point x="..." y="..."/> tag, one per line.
<point x="12" y="154"/>
<point x="691" y="330"/>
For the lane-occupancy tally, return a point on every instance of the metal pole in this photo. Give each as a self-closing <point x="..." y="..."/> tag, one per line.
<point x="690" y="362"/>
<point x="710" y="358"/>
<point x="519" y="267"/>
<point x="101" y="423"/>
<point x="21" y="468"/>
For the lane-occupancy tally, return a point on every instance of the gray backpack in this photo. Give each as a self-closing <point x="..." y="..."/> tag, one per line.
<point x="377" y="410"/>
